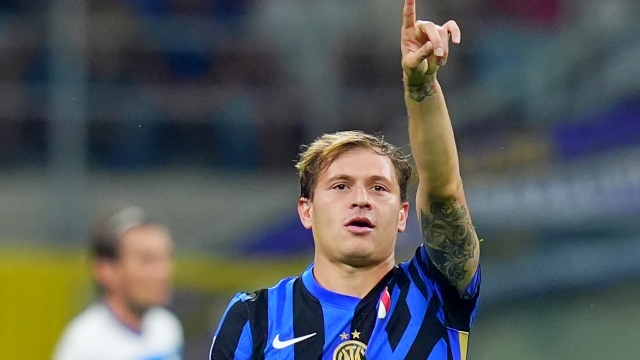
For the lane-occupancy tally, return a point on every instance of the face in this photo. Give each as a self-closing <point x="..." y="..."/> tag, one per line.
<point x="356" y="211"/>
<point x="142" y="274"/>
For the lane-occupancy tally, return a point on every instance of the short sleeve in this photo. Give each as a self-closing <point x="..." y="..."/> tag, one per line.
<point x="458" y="309"/>
<point x="233" y="339"/>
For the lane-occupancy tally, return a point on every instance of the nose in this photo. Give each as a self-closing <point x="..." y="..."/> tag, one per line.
<point x="163" y="269"/>
<point x="362" y="199"/>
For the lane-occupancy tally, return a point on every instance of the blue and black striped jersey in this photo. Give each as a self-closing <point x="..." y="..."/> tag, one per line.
<point x="412" y="313"/>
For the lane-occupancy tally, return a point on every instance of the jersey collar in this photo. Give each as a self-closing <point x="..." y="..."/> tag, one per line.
<point x="327" y="296"/>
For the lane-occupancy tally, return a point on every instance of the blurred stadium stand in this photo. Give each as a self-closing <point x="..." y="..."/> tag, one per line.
<point x="196" y="109"/>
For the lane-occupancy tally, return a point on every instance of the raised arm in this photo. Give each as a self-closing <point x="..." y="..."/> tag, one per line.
<point x="449" y="236"/>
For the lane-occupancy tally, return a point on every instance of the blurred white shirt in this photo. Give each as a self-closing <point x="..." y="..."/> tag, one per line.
<point x="96" y="334"/>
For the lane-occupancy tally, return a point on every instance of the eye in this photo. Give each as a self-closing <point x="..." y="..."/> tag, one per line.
<point x="379" y="188"/>
<point x="147" y="258"/>
<point x="340" y="186"/>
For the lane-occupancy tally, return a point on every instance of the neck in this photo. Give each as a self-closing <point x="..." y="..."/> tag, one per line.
<point x="130" y="316"/>
<point x="348" y="280"/>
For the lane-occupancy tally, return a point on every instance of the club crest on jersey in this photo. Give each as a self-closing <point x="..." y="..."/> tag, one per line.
<point x="350" y="349"/>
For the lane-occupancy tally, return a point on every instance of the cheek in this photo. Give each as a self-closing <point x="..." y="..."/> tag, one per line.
<point x="391" y="215"/>
<point x="392" y="220"/>
<point x="322" y="218"/>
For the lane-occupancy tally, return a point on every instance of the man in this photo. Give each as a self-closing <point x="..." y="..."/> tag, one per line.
<point x="132" y="267"/>
<point x="354" y="302"/>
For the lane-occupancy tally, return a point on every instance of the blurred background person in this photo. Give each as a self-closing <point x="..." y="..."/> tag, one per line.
<point x="132" y="266"/>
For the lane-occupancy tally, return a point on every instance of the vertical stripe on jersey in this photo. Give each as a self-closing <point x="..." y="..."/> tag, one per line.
<point x="366" y="312"/>
<point x="307" y="319"/>
<point x="280" y="320"/>
<point x="419" y="281"/>
<point x="400" y="316"/>
<point x="440" y="352"/>
<point x="431" y="331"/>
<point x="226" y="342"/>
<point x="258" y="304"/>
<point x="458" y="310"/>
<point x="245" y="345"/>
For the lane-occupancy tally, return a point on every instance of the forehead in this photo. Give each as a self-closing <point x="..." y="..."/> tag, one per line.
<point x="145" y="238"/>
<point x="361" y="163"/>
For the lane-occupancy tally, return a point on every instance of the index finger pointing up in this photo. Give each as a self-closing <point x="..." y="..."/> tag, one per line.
<point x="409" y="14"/>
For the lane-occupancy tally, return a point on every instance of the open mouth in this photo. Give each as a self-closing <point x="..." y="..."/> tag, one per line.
<point x="360" y="222"/>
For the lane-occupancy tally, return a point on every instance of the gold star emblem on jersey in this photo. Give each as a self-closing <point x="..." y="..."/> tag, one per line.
<point x="350" y="349"/>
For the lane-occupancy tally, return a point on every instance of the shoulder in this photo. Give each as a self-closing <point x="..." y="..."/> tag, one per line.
<point x="162" y="325"/>
<point x="279" y="291"/>
<point x="420" y="272"/>
<point x="420" y="262"/>
<point x="162" y="318"/>
<point x="422" y="269"/>
<point x="82" y="333"/>
<point x="457" y="309"/>
<point x="254" y="305"/>
<point x="91" y="320"/>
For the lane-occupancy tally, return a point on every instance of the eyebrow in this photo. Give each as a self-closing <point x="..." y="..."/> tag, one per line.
<point x="379" y="178"/>
<point x="340" y="177"/>
<point x="345" y="177"/>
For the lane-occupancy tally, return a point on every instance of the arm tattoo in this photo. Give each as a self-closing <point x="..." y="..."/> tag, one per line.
<point x="417" y="92"/>
<point x="449" y="238"/>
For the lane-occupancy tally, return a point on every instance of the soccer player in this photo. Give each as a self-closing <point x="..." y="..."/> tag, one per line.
<point x="354" y="302"/>
<point x="132" y="267"/>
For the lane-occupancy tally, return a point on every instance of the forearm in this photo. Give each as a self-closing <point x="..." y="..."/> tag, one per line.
<point x="449" y="237"/>
<point x="432" y="141"/>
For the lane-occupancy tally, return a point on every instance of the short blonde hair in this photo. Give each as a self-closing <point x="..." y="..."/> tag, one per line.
<point x="317" y="157"/>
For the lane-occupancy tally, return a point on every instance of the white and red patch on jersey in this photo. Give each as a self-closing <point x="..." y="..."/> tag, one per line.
<point x="385" y="304"/>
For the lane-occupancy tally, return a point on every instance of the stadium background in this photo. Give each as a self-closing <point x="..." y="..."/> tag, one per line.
<point x="196" y="110"/>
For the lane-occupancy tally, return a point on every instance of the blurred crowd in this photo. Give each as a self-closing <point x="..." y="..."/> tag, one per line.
<point x="240" y="84"/>
<point x="237" y="85"/>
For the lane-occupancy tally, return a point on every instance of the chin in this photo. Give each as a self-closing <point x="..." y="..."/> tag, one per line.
<point x="164" y="300"/>
<point x="359" y="258"/>
<point x="362" y="262"/>
<point x="159" y="300"/>
<point x="363" y="255"/>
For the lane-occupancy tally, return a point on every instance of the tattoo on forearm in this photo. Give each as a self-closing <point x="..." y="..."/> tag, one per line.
<point x="449" y="238"/>
<point x="419" y="92"/>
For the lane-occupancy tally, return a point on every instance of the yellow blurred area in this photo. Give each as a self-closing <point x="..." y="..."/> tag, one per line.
<point x="39" y="292"/>
<point x="42" y="289"/>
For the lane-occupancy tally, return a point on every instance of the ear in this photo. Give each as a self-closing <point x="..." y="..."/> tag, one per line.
<point x="403" y="214"/>
<point x="305" y="213"/>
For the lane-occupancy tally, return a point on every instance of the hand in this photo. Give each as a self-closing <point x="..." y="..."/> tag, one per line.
<point x="424" y="45"/>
